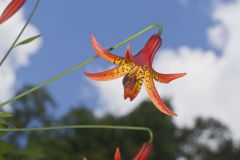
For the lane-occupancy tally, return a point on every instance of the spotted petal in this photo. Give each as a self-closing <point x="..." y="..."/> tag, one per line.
<point x="132" y="86"/>
<point x="133" y="90"/>
<point x="129" y="81"/>
<point x="136" y="89"/>
<point x="105" y="53"/>
<point x="111" y="74"/>
<point x="166" y="78"/>
<point x="153" y="94"/>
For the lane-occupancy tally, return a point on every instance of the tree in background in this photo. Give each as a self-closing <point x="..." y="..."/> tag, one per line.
<point x="208" y="139"/>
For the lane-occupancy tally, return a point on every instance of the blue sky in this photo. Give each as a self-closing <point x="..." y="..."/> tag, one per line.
<point x="66" y="28"/>
<point x="200" y="38"/>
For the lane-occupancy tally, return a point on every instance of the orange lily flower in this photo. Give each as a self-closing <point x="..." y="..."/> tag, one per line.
<point x="142" y="154"/>
<point x="137" y="70"/>
<point x="11" y="9"/>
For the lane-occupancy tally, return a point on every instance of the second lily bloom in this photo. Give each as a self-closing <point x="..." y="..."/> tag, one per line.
<point x="137" y="70"/>
<point x="142" y="154"/>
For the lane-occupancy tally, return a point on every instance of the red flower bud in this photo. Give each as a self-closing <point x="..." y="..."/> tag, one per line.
<point x="144" y="152"/>
<point x="117" y="155"/>
<point x="11" y="9"/>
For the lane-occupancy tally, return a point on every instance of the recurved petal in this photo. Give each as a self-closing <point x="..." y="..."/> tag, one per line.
<point x="11" y="9"/>
<point x="153" y="94"/>
<point x="105" y="53"/>
<point x="110" y="74"/>
<point x="166" y="78"/>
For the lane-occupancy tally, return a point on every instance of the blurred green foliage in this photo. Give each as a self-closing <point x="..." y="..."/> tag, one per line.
<point x="207" y="139"/>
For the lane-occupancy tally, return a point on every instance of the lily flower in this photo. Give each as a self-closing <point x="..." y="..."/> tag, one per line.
<point x="11" y="9"/>
<point x="137" y="70"/>
<point x="142" y="154"/>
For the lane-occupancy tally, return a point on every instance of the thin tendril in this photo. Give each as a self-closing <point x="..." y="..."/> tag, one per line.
<point x="81" y="64"/>
<point x="82" y="127"/>
<point x="21" y="32"/>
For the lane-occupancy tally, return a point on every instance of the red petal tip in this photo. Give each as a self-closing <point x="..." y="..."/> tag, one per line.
<point x="117" y="155"/>
<point x="103" y="52"/>
<point x="129" y="55"/>
<point x="11" y="9"/>
<point x="144" y="151"/>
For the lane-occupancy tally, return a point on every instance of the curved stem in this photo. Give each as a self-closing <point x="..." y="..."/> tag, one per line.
<point x="21" y="32"/>
<point x="160" y="31"/>
<point x="154" y="25"/>
<point x="82" y="127"/>
<point x="81" y="64"/>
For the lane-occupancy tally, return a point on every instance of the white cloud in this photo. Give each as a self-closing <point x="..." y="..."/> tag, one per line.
<point x="111" y="98"/>
<point x="211" y="87"/>
<point x="217" y="36"/>
<point x="19" y="56"/>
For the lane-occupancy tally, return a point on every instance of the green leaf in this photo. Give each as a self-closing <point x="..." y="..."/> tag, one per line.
<point x="28" y="40"/>
<point x="5" y="115"/>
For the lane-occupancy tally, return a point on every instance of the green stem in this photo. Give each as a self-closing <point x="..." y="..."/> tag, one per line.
<point x="21" y="32"/>
<point x="154" y="25"/>
<point x="48" y="81"/>
<point x="80" y="64"/>
<point x="82" y="127"/>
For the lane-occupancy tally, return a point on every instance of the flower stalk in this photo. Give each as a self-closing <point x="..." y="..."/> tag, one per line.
<point x="113" y="127"/>
<point x="155" y="25"/>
